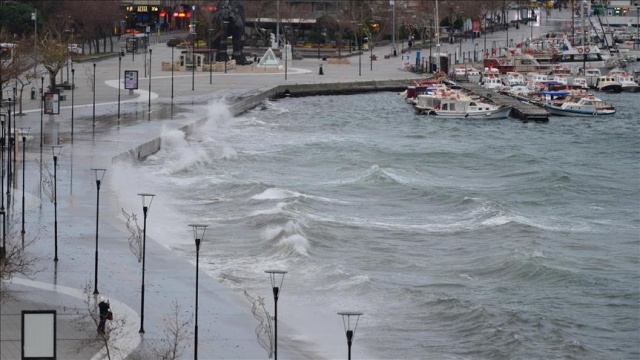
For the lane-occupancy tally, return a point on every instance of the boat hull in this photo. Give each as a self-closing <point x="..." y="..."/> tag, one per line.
<point x="501" y="113"/>
<point x="613" y="88"/>
<point x="554" y="110"/>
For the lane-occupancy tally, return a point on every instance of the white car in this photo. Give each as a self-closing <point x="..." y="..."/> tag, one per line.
<point x="74" y="49"/>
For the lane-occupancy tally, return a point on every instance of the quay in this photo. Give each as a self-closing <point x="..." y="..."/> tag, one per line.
<point x="520" y="110"/>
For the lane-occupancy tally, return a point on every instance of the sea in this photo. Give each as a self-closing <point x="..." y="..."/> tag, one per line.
<point x="456" y="239"/>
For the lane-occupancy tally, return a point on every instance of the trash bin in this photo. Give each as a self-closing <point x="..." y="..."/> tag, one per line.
<point x="33" y="93"/>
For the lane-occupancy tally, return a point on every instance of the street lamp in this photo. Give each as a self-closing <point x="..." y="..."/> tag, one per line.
<point x="635" y="43"/>
<point x="24" y="133"/>
<point x="346" y="321"/>
<point x="225" y="58"/>
<point x="210" y="57"/>
<point x="119" y="86"/>
<point x="73" y="90"/>
<point x="55" y="151"/>
<point x="42" y="110"/>
<point x="475" y="52"/>
<point x="149" y="116"/>
<point x="147" y="199"/>
<point x="99" y="175"/>
<point x="172" y="66"/>
<point x="198" y="236"/>
<point x="94" y="99"/>
<point x="2" y="144"/>
<point x="275" y="275"/>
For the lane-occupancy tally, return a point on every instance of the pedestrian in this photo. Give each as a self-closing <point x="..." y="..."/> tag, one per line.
<point x="105" y="311"/>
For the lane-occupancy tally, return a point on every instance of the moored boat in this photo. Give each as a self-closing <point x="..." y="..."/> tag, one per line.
<point x="467" y="109"/>
<point x="608" y="83"/>
<point x="588" y="105"/>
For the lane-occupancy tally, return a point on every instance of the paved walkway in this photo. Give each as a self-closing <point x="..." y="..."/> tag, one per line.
<point x="226" y="326"/>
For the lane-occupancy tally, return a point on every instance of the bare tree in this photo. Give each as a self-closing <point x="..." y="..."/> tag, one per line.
<point x="176" y="331"/>
<point x="113" y="332"/>
<point x="15" y="260"/>
<point x="54" y="55"/>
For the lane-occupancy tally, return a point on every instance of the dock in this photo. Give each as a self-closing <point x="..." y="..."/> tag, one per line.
<point x="520" y="110"/>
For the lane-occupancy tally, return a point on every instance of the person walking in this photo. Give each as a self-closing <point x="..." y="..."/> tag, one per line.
<point x="104" y="311"/>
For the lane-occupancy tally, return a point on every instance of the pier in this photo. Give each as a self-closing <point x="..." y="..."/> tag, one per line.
<point x="520" y="110"/>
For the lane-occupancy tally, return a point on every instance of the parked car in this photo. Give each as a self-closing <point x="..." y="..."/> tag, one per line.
<point x="74" y="49"/>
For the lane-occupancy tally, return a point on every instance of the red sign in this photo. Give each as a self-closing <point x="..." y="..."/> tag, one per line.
<point x="476" y="25"/>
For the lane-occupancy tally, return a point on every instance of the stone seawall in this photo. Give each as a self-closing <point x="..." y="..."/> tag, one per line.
<point x="252" y="99"/>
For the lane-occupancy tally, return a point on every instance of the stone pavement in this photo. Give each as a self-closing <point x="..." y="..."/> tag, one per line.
<point x="226" y="326"/>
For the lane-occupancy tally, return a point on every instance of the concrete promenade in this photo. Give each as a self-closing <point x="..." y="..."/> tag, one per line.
<point x="226" y="325"/>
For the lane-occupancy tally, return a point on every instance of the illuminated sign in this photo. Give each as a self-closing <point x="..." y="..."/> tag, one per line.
<point x="52" y="103"/>
<point x="131" y="79"/>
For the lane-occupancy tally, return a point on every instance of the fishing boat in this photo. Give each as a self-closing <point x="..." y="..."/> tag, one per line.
<point x="608" y="83"/>
<point x="627" y="82"/>
<point x="465" y="108"/>
<point x="587" y="105"/>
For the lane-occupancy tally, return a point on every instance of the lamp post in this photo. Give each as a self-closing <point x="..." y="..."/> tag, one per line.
<point x="276" y="275"/>
<point x="94" y="99"/>
<point x="198" y="236"/>
<point x="346" y="321"/>
<point x="635" y="43"/>
<point x="24" y="133"/>
<point x="475" y="52"/>
<point x="393" y="26"/>
<point x="172" y="66"/>
<point x="55" y="151"/>
<point x="506" y="22"/>
<point x="359" y="47"/>
<point x="119" y="86"/>
<point x="193" y="57"/>
<point x="73" y="88"/>
<point x="99" y="175"/>
<point x="149" y="116"/>
<point x="2" y="144"/>
<point x="42" y="110"/>
<point x="224" y="42"/>
<point x="210" y="57"/>
<point x="147" y="199"/>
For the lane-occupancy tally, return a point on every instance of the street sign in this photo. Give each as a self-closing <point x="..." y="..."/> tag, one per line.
<point x="131" y="79"/>
<point x="52" y="103"/>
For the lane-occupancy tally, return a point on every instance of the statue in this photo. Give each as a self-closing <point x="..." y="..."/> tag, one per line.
<point x="229" y="19"/>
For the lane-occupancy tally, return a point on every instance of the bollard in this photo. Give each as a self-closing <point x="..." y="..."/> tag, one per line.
<point x="320" y="70"/>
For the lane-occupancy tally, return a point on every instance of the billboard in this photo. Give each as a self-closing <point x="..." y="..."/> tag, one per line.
<point x="131" y="79"/>
<point x="39" y="334"/>
<point x="51" y="103"/>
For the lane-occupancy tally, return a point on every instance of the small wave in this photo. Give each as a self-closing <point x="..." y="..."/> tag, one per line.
<point x="278" y="209"/>
<point x="288" y="236"/>
<point x="276" y="194"/>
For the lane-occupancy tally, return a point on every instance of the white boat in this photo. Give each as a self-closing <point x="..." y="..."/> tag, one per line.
<point x="492" y="82"/>
<point x="588" y="105"/>
<point x="467" y="109"/>
<point x="627" y="82"/>
<point x="581" y="56"/>
<point x="608" y="83"/>
<point x="592" y="75"/>
<point x="512" y="78"/>
<point x="579" y="82"/>
<point x="466" y="73"/>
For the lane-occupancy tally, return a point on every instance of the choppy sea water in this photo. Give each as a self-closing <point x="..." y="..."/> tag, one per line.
<point x="457" y="239"/>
